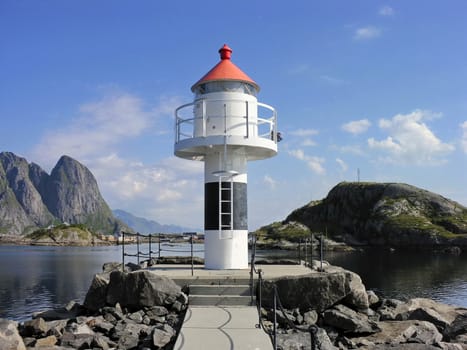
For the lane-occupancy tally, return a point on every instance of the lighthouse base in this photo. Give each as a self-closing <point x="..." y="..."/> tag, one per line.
<point x="226" y="249"/>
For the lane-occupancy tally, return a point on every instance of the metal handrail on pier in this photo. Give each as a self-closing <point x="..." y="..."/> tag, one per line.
<point x="139" y="254"/>
<point x="277" y="304"/>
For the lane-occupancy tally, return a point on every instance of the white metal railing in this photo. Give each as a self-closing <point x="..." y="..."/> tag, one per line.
<point x="185" y="125"/>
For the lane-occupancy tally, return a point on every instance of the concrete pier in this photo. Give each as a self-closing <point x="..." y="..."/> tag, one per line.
<point x="220" y="325"/>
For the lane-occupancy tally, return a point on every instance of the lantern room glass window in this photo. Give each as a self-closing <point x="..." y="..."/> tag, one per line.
<point x="223" y="86"/>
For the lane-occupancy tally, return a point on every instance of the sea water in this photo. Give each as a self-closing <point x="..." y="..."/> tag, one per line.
<point x="34" y="278"/>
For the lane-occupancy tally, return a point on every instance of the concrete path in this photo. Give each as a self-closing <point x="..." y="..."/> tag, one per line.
<point x="222" y="328"/>
<point x="227" y="327"/>
<point x="199" y="272"/>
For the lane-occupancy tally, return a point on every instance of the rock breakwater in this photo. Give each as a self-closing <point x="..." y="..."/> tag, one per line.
<point x="331" y="309"/>
<point x="327" y="309"/>
<point x="122" y="310"/>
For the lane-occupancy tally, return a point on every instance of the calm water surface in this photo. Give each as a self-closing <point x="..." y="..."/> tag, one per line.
<point x="39" y="278"/>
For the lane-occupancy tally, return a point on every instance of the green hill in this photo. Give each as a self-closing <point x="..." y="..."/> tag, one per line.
<point x="392" y="214"/>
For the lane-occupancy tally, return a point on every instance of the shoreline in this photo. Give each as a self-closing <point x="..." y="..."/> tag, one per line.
<point x="280" y="245"/>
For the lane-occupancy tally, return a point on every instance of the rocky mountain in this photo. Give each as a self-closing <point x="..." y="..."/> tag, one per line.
<point x="382" y="214"/>
<point x="146" y="226"/>
<point x="31" y="199"/>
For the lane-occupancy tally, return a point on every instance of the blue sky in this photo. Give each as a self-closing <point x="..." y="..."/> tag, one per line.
<point x="374" y="86"/>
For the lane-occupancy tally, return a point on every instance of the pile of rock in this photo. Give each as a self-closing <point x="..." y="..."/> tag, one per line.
<point x="123" y="310"/>
<point x="332" y="310"/>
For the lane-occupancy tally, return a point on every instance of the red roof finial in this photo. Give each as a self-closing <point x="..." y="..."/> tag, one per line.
<point x="225" y="70"/>
<point x="225" y="52"/>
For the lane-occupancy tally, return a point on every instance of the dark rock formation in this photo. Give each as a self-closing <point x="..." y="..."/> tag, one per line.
<point x="32" y="199"/>
<point x="318" y="291"/>
<point x="338" y="322"/>
<point x="383" y="214"/>
<point x="349" y="321"/>
<point x="73" y="196"/>
<point x="9" y="336"/>
<point x="141" y="289"/>
<point x="146" y="314"/>
<point x="21" y="205"/>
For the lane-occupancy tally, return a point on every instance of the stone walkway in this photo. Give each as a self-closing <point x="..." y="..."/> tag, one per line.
<point x="227" y="327"/>
<point x="199" y="272"/>
<point x="222" y="328"/>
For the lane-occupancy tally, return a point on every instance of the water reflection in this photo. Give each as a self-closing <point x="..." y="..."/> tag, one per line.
<point x="37" y="278"/>
<point x="408" y="274"/>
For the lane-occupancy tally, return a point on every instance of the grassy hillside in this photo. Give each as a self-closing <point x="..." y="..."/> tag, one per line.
<point x="76" y="234"/>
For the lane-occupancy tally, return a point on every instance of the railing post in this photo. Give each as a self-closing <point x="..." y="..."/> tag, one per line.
<point x="137" y="247"/>
<point x="123" y="251"/>
<point x="299" y="251"/>
<point x="311" y="251"/>
<point x="306" y="252"/>
<point x="275" y="125"/>
<point x="251" y="284"/>
<point x="159" y="244"/>
<point x="247" y="121"/>
<point x="275" y="319"/>
<point x="252" y="266"/>
<point x="191" y="240"/>
<point x="204" y="118"/>
<point x="150" y="249"/>
<point x="260" y="282"/>
<point x="321" y="252"/>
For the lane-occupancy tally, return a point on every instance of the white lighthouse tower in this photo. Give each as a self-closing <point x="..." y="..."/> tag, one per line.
<point x="225" y="127"/>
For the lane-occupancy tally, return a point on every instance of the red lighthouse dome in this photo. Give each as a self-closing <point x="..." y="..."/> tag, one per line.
<point x="225" y="70"/>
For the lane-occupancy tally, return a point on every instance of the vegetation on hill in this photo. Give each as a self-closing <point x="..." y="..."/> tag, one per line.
<point x="277" y="231"/>
<point x="74" y="234"/>
<point x="379" y="214"/>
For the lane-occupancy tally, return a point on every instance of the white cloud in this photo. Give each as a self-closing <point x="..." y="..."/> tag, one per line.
<point x="352" y="149"/>
<point x="308" y="142"/>
<point x="98" y="127"/>
<point x="464" y="136"/>
<point x="410" y="140"/>
<point x="314" y="163"/>
<point x="103" y="125"/>
<point x="304" y="132"/>
<point x="342" y="164"/>
<point x="357" y="126"/>
<point x="386" y="11"/>
<point x="156" y="191"/>
<point x="366" y="33"/>
<point x="268" y="180"/>
<point x="106" y="129"/>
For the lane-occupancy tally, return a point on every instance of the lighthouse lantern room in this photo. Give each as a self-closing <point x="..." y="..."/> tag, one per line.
<point x="225" y="126"/>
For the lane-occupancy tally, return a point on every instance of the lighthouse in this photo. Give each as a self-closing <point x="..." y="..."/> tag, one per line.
<point x="225" y="127"/>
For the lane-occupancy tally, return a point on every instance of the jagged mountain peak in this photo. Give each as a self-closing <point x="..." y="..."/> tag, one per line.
<point x="30" y="198"/>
